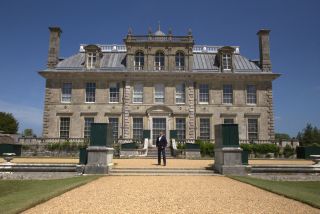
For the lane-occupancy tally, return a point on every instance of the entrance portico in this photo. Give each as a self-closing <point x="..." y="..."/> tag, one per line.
<point x="159" y="119"/>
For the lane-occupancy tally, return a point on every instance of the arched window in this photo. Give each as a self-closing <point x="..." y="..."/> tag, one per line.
<point x="159" y="61"/>
<point x="179" y="61"/>
<point x="139" y="61"/>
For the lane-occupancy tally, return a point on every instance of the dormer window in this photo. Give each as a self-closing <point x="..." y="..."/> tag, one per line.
<point x="139" y="61"/>
<point x="91" y="60"/>
<point x="225" y="55"/>
<point x="159" y="61"/>
<point x="93" y="54"/>
<point x="179" y="61"/>
<point x="226" y="61"/>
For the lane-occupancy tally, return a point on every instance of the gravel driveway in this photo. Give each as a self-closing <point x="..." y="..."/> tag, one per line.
<point x="174" y="194"/>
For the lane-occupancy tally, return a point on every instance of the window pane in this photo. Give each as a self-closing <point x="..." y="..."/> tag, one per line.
<point x="91" y="60"/>
<point x="137" y="128"/>
<point x="159" y="93"/>
<point x="204" y="128"/>
<point x="114" y="92"/>
<point x="64" y="127"/>
<point x="227" y="94"/>
<point x="91" y="92"/>
<point x="181" y="128"/>
<point x="203" y="93"/>
<point x="253" y="129"/>
<point x="114" y="121"/>
<point x="159" y="61"/>
<point x="66" y="92"/>
<point x="251" y="94"/>
<point x="87" y="126"/>
<point x="139" y="61"/>
<point x="138" y="93"/>
<point x="180" y="61"/>
<point x="180" y="93"/>
<point x="226" y="61"/>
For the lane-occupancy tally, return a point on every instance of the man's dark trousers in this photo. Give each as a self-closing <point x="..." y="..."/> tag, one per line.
<point x="163" y="151"/>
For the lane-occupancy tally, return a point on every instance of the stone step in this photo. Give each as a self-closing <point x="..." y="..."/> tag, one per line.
<point x="162" y="171"/>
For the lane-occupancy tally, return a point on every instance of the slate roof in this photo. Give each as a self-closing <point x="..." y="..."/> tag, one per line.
<point x="116" y="61"/>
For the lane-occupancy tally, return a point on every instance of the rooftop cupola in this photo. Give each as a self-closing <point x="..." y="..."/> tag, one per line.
<point x="159" y="32"/>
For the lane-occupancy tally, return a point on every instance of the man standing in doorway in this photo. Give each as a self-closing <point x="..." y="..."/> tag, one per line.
<point x="161" y="144"/>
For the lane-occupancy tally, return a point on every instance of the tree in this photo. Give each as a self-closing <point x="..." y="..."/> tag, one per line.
<point x="8" y="124"/>
<point x="28" y="133"/>
<point x="282" y="136"/>
<point x="309" y="135"/>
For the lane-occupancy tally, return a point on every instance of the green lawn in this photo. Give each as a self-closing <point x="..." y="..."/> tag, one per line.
<point x="304" y="191"/>
<point x="19" y="195"/>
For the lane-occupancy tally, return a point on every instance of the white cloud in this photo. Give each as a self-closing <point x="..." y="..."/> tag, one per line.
<point x="28" y="117"/>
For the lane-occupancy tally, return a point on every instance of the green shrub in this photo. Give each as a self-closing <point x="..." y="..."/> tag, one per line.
<point x="288" y="151"/>
<point x="181" y="146"/>
<point x="247" y="147"/>
<point x="265" y="148"/>
<point x="206" y="148"/>
<point x="66" y="146"/>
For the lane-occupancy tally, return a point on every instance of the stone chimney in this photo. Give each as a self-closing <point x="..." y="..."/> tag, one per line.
<point x="54" y="46"/>
<point x="264" y="49"/>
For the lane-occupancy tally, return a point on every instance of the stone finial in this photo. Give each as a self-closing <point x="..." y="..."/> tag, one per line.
<point x="189" y="32"/>
<point x="130" y="31"/>
<point x="170" y="31"/>
<point x="149" y="31"/>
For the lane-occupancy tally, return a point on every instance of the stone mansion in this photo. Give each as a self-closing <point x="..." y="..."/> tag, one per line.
<point x="158" y="82"/>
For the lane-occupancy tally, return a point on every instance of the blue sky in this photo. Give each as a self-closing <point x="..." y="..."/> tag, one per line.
<point x="295" y="44"/>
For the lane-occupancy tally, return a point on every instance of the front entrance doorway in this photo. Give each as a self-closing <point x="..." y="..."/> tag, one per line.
<point x="158" y="125"/>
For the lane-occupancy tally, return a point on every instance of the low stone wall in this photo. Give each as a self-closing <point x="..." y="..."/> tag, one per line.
<point x="42" y="150"/>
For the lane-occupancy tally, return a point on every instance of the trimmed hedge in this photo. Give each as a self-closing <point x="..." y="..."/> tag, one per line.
<point x="260" y="148"/>
<point x="65" y="146"/>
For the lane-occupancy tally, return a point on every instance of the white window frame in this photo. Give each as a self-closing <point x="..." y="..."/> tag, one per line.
<point x="114" y="129"/>
<point x="180" y="93"/>
<point x="227" y="93"/>
<point x="251" y="96"/>
<point x="180" y="61"/>
<point x="201" y="93"/>
<point x="88" y="88"/>
<point x="87" y="126"/>
<point x="115" y="99"/>
<point x="136" y="128"/>
<point x="137" y="93"/>
<point x="138" y="62"/>
<point x="204" y="118"/>
<point x="60" y="126"/>
<point x="66" y="92"/>
<point x="91" y="60"/>
<point x="226" y="61"/>
<point x="159" y="61"/>
<point x="159" y="93"/>
<point x="250" y="132"/>
<point x="181" y="130"/>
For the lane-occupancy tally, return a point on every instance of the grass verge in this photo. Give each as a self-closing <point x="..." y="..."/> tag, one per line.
<point x="19" y="195"/>
<point x="304" y="191"/>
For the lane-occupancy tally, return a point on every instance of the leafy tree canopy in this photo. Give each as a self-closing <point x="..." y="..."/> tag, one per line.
<point x="8" y="124"/>
<point x="282" y="136"/>
<point x="310" y="135"/>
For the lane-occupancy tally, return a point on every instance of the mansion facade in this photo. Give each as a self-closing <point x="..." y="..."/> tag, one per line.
<point x="158" y="82"/>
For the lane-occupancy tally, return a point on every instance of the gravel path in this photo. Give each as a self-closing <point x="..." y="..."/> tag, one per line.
<point x="174" y="194"/>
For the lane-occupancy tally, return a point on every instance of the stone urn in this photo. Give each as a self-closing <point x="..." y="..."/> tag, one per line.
<point x="8" y="157"/>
